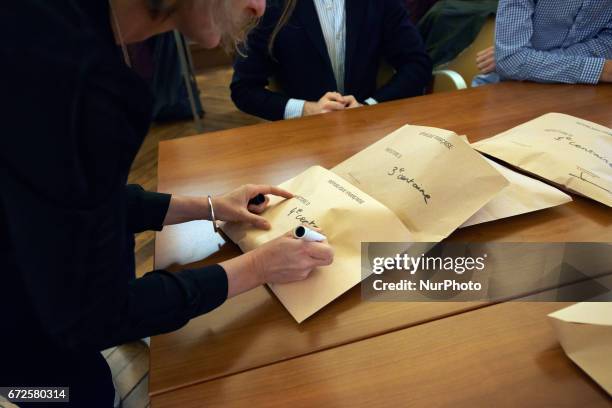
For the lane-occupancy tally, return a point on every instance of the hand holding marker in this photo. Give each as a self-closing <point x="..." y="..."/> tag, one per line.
<point x="257" y="200"/>
<point x="299" y="232"/>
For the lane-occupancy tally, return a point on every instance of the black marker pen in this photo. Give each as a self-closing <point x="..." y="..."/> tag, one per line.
<point x="257" y="200"/>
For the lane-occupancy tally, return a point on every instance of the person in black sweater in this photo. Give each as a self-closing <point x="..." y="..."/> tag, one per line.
<point x="73" y="119"/>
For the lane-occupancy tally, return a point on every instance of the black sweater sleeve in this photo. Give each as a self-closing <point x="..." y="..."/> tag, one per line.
<point x="65" y="211"/>
<point x="146" y="210"/>
<point x="162" y="301"/>
<point x="70" y="264"/>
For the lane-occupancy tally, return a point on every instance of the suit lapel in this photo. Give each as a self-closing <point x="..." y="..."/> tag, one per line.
<point x="355" y="13"/>
<point x="307" y="14"/>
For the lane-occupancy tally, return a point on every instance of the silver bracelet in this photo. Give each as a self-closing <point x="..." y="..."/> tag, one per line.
<point x="212" y="215"/>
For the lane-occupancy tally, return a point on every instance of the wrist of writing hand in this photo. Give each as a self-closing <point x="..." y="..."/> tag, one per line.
<point x="244" y="272"/>
<point x="256" y="268"/>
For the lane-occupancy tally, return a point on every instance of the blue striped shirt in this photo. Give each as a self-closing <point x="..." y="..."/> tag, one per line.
<point x="553" y="41"/>
<point x="332" y="17"/>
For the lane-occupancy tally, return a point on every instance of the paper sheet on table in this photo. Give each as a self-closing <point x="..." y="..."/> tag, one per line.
<point x="570" y="152"/>
<point x="431" y="179"/>
<point x="523" y="195"/>
<point x="347" y="216"/>
<point x="585" y="333"/>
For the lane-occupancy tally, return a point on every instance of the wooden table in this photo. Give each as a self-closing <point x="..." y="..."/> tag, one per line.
<point x="501" y="356"/>
<point x="347" y="353"/>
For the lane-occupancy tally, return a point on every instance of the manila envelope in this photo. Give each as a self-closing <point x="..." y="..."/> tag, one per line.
<point x="585" y="333"/>
<point x="429" y="177"/>
<point x="523" y="195"/>
<point x="570" y="152"/>
<point x="347" y="217"/>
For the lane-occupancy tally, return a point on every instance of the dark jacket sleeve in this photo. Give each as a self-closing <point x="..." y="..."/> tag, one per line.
<point x="146" y="210"/>
<point x="404" y="50"/>
<point x="65" y="201"/>
<point x="252" y="72"/>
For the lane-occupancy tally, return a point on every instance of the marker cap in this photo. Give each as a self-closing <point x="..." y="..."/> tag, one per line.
<point x="306" y="234"/>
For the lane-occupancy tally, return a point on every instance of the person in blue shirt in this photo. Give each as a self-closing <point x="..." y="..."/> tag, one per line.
<point x="550" y="41"/>
<point x="327" y="57"/>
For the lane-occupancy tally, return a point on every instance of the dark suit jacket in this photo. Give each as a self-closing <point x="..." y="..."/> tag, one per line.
<point x="375" y="29"/>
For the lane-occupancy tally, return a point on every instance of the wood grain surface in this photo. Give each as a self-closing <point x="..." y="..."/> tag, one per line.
<point x="253" y="330"/>
<point x="499" y="356"/>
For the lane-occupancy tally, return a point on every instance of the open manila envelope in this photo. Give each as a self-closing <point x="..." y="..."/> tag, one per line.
<point x="347" y="217"/>
<point x="568" y="151"/>
<point x="429" y="177"/>
<point x="421" y="183"/>
<point x="523" y="195"/>
<point x="585" y="333"/>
